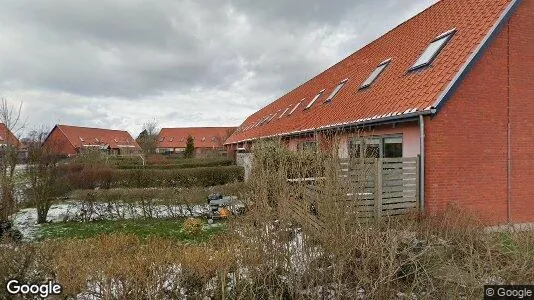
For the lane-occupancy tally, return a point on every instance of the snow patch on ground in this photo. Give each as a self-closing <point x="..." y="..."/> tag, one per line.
<point x="25" y="220"/>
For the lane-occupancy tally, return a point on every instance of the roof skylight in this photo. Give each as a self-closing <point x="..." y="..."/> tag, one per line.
<point x="295" y="108"/>
<point x="284" y="112"/>
<point x="432" y="51"/>
<point x="374" y="75"/>
<point x="274" y="115"/>
<point x="265" y="119"/>
<point x="336" y="90"/>
<point x="314" y="99"/>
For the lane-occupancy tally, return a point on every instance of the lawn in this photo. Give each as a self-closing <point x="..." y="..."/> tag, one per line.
<point x="143" y="228"/>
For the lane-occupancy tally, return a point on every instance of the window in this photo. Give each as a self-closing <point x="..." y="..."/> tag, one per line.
<point x="264" y="119"/>
<point x="393" y="147"/>
<point x="374" y="75"/>
<point x="314" y="99"/>
<point x="271" y="118"/>
<point x="371" y="148"/>
<point x="433" y="50"/>
<point x="310" y="146"/>
<point x="295" y="108"/>
<point x="284" y="112"/>
<point x="335" y="91"/>
<point x="375" y="147"/>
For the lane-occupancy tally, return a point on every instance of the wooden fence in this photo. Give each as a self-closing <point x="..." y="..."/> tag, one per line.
<point x="370" y="188"/>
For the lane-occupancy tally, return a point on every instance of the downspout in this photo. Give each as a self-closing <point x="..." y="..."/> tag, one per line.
<point x="422" y="162"/>
<point x="508" y="140"/>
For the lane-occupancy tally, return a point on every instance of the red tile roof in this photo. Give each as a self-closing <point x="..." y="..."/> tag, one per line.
<point x="396" y="92"/>
<point x="84" y="136"/>
<point x="7" y="137"/>
<point x="205" y="137"/>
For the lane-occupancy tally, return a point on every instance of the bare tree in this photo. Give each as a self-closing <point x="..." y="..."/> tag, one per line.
<point x="10" y="117"/>
<point x="46" y="182"/>
<point x="148" y="137"/>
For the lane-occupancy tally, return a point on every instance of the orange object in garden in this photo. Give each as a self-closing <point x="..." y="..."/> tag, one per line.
<point x="224" y="213"/>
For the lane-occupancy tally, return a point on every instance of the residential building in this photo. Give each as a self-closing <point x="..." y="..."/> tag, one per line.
<point x="70" y="140"/>
<point x="207" y="140"/>
<point x="453" y="86"/>
<point x="7" y="137"/>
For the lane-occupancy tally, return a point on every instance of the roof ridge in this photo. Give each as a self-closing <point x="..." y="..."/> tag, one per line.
<point x="346" y="57"/>
<point x="64" y="125"/>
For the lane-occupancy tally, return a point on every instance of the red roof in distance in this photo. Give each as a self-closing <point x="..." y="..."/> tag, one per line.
<point x="84" y="136"/>
<point x="7" y="137"/>
<point x="205" y="137"/>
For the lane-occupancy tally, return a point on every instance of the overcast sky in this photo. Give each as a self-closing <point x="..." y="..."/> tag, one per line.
<point x="119" y="63"/>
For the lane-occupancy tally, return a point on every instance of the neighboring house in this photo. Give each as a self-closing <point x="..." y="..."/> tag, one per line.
<point x="454" y="86"/>
<point x="71" y="140"/>
<point x="7" y="137"/>
<point x="206" y="139"/>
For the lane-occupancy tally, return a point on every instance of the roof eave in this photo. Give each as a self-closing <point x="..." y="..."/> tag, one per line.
<point x="476" y="55"/>
<point x="355" y="124"/>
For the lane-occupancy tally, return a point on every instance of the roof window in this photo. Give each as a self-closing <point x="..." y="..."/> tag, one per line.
<point x="295" y="108"/>
<point x="284" y="112"/>
<point x="374" y="75"/>
<point x="274" y="115"/>
<point x="314" y="99"/>
<point x="432" y="51"/>
<point x="336" y="90"/>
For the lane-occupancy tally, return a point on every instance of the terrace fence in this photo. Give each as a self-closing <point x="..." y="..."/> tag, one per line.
<point x="370" y="188"/>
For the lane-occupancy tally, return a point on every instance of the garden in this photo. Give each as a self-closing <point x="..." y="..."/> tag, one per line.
<point x="115" y="229"/>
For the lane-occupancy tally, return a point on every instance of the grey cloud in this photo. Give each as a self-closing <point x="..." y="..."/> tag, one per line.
<point x="119" y="62"/>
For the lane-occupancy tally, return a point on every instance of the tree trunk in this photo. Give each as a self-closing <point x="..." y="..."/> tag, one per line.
<point x="42" y="211"/>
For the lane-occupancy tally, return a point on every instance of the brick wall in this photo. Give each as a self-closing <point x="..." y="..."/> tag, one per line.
<point x="58" y="143"/>
<point x="521" y="61"/>
<point x="466" y="143"/>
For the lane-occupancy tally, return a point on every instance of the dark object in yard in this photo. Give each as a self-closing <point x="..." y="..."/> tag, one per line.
<point x="216" y="203"/>
<point x="6" y="230"/>
<point x="222" y="207"/>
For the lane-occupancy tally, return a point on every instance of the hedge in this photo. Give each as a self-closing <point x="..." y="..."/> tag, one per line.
<point x="176" y="196"/>
<point x="185" y="165"/>
<point x="207" y="176"/>
<point x="84" y="177"/>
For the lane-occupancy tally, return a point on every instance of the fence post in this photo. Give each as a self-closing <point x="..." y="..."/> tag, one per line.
<point x="378" y="188"/>
<point x="418" y="182"/>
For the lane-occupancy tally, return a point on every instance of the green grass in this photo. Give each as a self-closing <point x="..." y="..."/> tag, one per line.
<point x="507" y="243"/>
<point x="143" y="228"/>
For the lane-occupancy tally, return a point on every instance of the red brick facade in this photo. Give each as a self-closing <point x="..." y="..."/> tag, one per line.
<point x="467" y="145"/>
